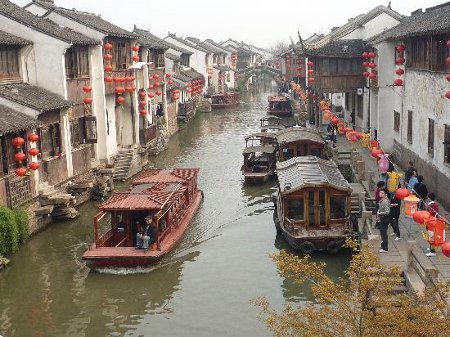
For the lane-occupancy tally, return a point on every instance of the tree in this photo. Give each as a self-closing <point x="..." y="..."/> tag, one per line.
<point x="365" y="303"/>
<point x="279" y="48"/>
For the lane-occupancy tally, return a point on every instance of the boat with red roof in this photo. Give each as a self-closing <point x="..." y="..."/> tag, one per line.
<point x="225" y="100"/>
<point x="279" y="106"/>
<point x="169" y="196"/>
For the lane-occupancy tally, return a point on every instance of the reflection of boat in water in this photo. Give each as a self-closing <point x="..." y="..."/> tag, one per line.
<point x="170" y="197"/>
<point x="279" y="106"/>
<point x="224" y="100"/>
<point x="313" y="204"/>
<point x="260" y="158"/>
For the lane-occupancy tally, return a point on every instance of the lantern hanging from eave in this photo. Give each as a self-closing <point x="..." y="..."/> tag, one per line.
<point x="436" y="231"/>
<point x="151" y="95"/>
<point x="365" y="55"/>
<point x="400" y="60"/>
<point x="34" y="165"/>
<point x="143" y="112"/>
<point x="400" y="48"/>
<point x="169" y="82"/>
<point x="18" y="142"/>
<point x="142" y="104"/>
<point x="33" y="137"/>
<point x="398" y="82"/>
<point x="151" y="86"/>
<point x="109" y="79"/>
<point x="310" y="63"/>
<point x="33" y="152"/>
<point x="156" y="76"/>
<point x="20" y="157"/>
<point x="448" y="60"/>
<point x="87" y="88"/>
<point x="311" y="79"/>
<point x="334" y="121"/>
<point x="411" y="202"/>
<point x="87" y="100"/>
<point x="448" y="77"/>
<point x="158" y="92"/>
<point x="135" y="58"/>
<point x="157" y="84"/>
<point x="108" y="68"/>
<point x="366" y="74"/>
<point x="107" y="57"/>
<point x="120" y="100"/>
<point x="168" y="75"/>
<point x="21" y="171"/>
<point x="108" y="46"/>
<point x="142" y="94"/>
<point x="365" y="64"/>
<point x="371" y="54"/>
<point x="119" y="90"/>
<point x="372" y="65"/>
<point x="310" y="72"/>
<point x="399" y="71"/>
<point x="447" y="94"/>
<point x="135" y="48"/>
<point x="373" y="76"/>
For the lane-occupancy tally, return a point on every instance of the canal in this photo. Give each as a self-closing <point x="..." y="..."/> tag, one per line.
<point x="203" y="288"/>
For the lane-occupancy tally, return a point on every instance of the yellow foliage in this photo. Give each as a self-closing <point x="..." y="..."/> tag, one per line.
<point x="364" y="304"/>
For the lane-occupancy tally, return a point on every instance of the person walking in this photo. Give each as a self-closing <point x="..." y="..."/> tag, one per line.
<point x="412" y="181"/>
<point x="395" y="215"/>
<point x="383" y="216"/>
<point x="409" y="171"/>
<point x="381" y="185"/>
<point x="422" y="192"/>
<point x="433" y="208"/>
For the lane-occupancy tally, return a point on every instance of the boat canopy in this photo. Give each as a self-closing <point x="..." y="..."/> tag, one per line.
<point x="298" y="133"/>
<point x="261" y="149"/>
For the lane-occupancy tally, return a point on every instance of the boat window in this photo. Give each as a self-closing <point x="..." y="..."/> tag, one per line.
<point x="296" y="209"/>
<point x="288" y="154"/>
<point x="315" y="152"/>
<point x="338" y="206"/>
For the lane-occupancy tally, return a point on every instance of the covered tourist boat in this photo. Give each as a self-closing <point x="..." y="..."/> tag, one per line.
<point x="225" y="100"/>
<point x="299" y="141"/>
<point x="170" y="197"/>
<point x="271" y="124"/>
<point x="313" y="204"/>
<point x="259" y="159"/>
<point x="279" y="106"/>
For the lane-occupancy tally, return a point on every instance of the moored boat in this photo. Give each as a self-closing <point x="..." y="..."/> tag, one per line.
<point x="170" y="197"/>
<point x="225" y="100"/>
<point x="313" y="204"/>
<point x="259" y="159"/>
<point x="271" y="124"/>
<point x="279" y="106"/>
<point x="299" y="141"/>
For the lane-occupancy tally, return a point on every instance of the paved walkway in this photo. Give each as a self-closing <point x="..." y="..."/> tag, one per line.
<point x="408" y="228"/>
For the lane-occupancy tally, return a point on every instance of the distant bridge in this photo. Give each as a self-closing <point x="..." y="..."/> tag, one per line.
<point x="245" y="74"/>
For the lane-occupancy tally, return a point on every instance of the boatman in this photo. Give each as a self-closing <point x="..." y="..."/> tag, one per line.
<point x="145" y="235"/>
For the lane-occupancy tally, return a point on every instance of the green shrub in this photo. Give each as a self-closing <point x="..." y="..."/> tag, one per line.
<point x="8" y="231"/>
<point x="22" y="224"/>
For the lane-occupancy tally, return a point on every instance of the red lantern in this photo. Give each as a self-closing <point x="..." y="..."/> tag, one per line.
<point x="448" y="77"/>
<point x="87" y="88"/>
<point x="400" y="60"/>
<point x="436" y="231"/>
<point x="448" y="60"/>
<point x="33" y="152"/>
<point x="365" y="64"/>
<point x="143" y="104"/>
<point x="374" y="144"/>
<point x="143" y="112"/>
<point x="372" y="65"/>
<point x="108" y="68"/>
<point x="151" y="95"/>
<point x="334" y="121"/>
<point x="156" y="76"/>
<point x="399" y="71"/>
<point x="376" y="153"/>
<point x="128" y="79"/>
<point x="157" y="84"/>
<point x="310" y="64"/>
<point x="109" y="79"/>
<point x="371" y="54"/>
<point x="117" y="79"/>
<point x="120" y="100"/>
<point x="142" y="94"/>
<point x="402" y="193"/>
<point x="119" y="90"/>
<point x="168" y="75"/>
<point x="33" y="137"/>
<point x="107" y="57"/>
<point x="372" y="76"/>
<point x="21" y="171"/>
<point x="447" y="94"/>
<point x="421" y="216"/>
<point x="446" y="247"/>
<point x="34" y="166"/>
<point x="158" y="92"/>
<point x="365" y="55"/>
<point x="398" y="82"/>
<point x="87" y="100"/>
<point x="400" y="48"/>
<point x="169" y="82"/>
<point x="18" y="142"/>
<point x="311" y="80"/>
<point x="310" y="72"/>
<point x="135" y="58"/>
<point x="108" y="46"/>
<point x="448" y="43"/>
<point x="135" y="48"/>
<point x="151" y="86"/>
<point x="366" y="74"/>
<point x="129" y="89"/>
<point x="20" y="156"/>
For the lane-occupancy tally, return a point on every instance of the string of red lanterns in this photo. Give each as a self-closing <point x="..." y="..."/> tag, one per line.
<point x="399" y="60"/>
<point x="369" y="65"/>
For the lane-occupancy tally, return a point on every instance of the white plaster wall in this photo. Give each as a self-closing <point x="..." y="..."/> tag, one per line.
<point x="45" y="66"/>
<point x="425" y="96"/>
<point x="110" y="118"/>
<point x="373" y="27"/>
<point x="197" y="60"/>
<point x="23" y="109"/>
<point x="36" y="10"/>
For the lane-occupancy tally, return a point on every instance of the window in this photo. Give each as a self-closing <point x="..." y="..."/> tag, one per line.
<point x="410" y="125"/>
<point x="75" y="133"/>
<point x="338" y="206"/>
<point x="9" y="62"/>
<point x="77" y="62"/>
<point x="428" y="52"/>
<point x="447" y="144"/>
<point x="396" y="121"/>
<point x="296" y="209"/>
<point x="121" y="55"/>
<point x="431" y="136"/>
<point x="50" y="140"/>
<point x="439" y="52"/>
<point x="185" y="60"/>
<point x="417" y="53"/>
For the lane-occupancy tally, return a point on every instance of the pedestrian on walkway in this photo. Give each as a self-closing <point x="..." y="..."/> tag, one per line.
<point x="395" y="215"/>
<point x="433" y="208"/>
<point x="422" y="192"/>
<point x="383" y="216"/>
<point x="412" y="181"/>
<point x="409" y="171"/>
<point x="381" y="185"/>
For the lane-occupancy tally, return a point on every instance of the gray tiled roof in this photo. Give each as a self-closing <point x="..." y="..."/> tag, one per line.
<point x="13" y="121"/>
<point x="435" y="20"/>
<point x="177" y="48"/>
<point x="309" y="171"/>
<point x="33" y="97"/>
<point x="186" y="42"/>
<point x="147" y="39"/>
<point x="223" y="67"/>
<point x="89" y="19"/>
<point x="18" y="14"/>
<point x="8" y="39"/>
<point x="219" y="46"/>
<point x="339" y="48"/>
<point x="298" y="133"/>
<point x="172" y="57"/>
<point x="187" y="75"/>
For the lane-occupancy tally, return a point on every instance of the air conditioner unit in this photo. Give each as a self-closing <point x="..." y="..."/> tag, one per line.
<point x="359" y="91"/>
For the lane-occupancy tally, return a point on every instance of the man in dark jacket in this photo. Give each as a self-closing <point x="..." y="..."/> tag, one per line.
<point x="409" y="171"/>
<point x="421" y="190"/>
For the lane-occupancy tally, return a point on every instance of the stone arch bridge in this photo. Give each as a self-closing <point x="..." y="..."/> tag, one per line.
<point x="259" y="70"/>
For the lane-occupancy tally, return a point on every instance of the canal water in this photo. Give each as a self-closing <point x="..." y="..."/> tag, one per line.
<point x="203" y="288"/>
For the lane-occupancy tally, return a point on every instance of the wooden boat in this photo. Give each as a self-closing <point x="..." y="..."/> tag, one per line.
<point x="260" y="159"/>
<point x="170" y="197"/>
<point x="299" y="141"/>
<point x="279" y="106"/>
<point x="313" y="204"/>
<point x="225" y="100"/>
<point x="271" y="124"/>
